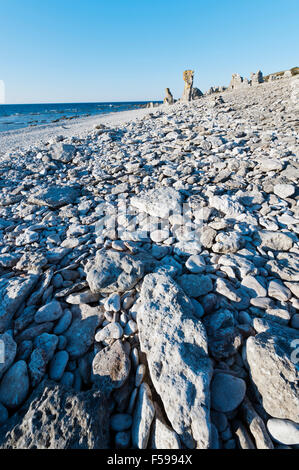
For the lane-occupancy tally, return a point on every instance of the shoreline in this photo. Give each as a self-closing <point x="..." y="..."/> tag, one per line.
<point x="23" y="139"/>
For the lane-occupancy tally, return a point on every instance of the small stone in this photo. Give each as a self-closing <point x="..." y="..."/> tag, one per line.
<point x="277" y="290"/>
<point x="143" y="418"/>
<point x="86" y="297"/>
<point x="284" y="431"/>
<point x="198" y="309"/>
<point x="195" y="285"/>
<point x="58" y="365"/>
<point x="122" y="440"/>
<point x="14" y="386"/>
<point x="3" y="414"/>
<point x="49" y="312"/>
<point x="295" y="321"/>
<point x="159" y="236"/>
<point x="113" y="271"/>
<point x="284" y="190"/>
<point x="111" y="367"/>
<point x="37" y="366"/>
<point x="196" y="264"/>
<point x="227" y="392"/>
<point x="139" y="376"/>
<point x="112" y="303"/>
<point x="158" y="202"/>
<point x="54" y="196"/>
<point x="277" y="241"/>
<point x="67" y="379"/>
<point x="80" y="335"/>
<point x="130" y="328"/>
<point x="120" y="422"/>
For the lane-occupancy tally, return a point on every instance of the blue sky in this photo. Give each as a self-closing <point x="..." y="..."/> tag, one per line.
<point x="122" y="50"/>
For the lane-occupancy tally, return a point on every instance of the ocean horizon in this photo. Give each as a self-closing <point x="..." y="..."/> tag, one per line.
<point x="18" y="116"/>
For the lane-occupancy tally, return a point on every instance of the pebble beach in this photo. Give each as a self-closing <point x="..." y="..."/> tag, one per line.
<point x="149" y="276"/>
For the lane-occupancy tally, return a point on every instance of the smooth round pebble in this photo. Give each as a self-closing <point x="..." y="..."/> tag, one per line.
<point x="139" y="376"/>
<point x="122" y="440"/>
<point x="227" y="392"/>
<point x="158" y="236"/>
<point x="295" y="321"/>
<point x="112" y="330"/>
<point x="130" y="328"/>
<point x="196" y="264"/>
<point x="120" y="422"/>
<point x="284" y="431"/>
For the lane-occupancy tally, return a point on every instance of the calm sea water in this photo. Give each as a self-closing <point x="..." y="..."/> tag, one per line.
<point x="24" y="115"/>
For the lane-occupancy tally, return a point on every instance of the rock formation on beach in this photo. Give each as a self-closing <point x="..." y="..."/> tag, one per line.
<point x="188" y="77"/>
<point x="168" y="98"/>
<point x="149" y="279"/>
<point x="238" y="82"/>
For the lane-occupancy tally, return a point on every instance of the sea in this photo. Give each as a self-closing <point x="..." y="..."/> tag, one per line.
<point x="18" y="116"/>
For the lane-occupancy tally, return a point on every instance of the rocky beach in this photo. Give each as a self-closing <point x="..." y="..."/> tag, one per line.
<point x="149" y="275"/>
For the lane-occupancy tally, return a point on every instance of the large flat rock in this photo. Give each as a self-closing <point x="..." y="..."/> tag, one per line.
<point x="175" y="344"/>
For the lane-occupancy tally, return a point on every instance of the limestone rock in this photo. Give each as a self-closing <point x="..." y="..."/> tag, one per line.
<point x="196" y="94"/>
<point x="113" y="271"/>
<point x="63" y="152"/>
<point x="12" y="293"/>
<point x="188" y="77"/>
<point x="277" y="241"/>
<point x="14" y="385"/>
<point x="57" y="418"/>
<point x="284" y="190"/>
<point x="273" y="372"/>
<point x="227" y="392"/>
<point x="80" y="335"/>
<point x="158" y="202"/>
<point x="163" y="437"/>
<point x="55" y="196"/>
<point x="256" y="78"/>
<point x="8" y="350"/>
<point x="256" y="426"/>
<point x="284" y="431"/>
<point x="111" y="367"/>
<point x="143" y="418"/>
<point x="286" y="266"/>
<point x="178" y="359"/>
<point x="238" y="82"/>
<point x="168" y="98"/>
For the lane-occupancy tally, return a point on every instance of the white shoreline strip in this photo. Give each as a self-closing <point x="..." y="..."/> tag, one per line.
<point x="26" y="138"/>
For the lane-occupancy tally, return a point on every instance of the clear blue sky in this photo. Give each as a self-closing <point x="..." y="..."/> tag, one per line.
<point x="122" y="50"/>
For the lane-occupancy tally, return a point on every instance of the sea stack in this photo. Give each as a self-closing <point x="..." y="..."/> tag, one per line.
<point x="188" y="77"/>
<point x="168" y="98"/>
